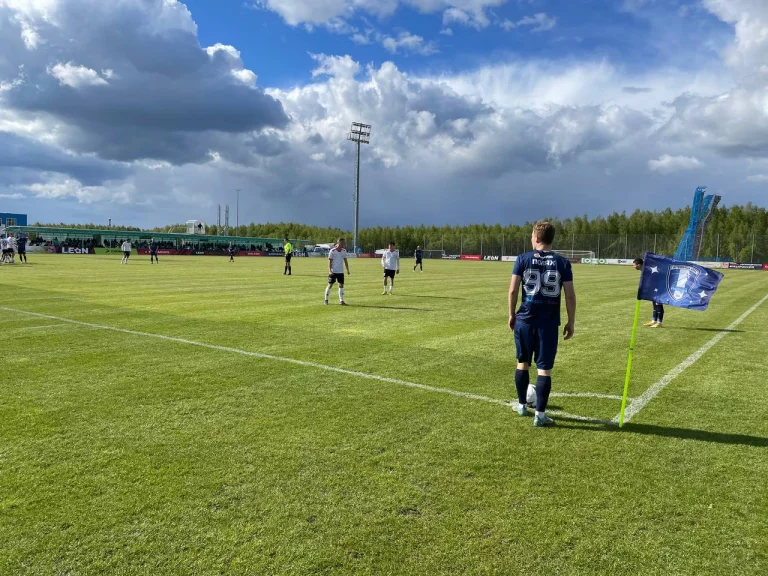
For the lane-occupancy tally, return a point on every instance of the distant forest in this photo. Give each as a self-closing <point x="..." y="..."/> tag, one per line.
<point x="735" y="232"/>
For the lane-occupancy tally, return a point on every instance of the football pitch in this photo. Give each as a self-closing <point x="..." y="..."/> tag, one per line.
<point x="202" y="417"/>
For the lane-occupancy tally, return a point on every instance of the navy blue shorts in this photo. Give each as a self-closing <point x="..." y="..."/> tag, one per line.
<point x="539" y="344"/>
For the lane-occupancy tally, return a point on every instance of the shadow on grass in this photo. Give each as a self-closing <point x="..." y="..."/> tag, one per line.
<point x="669" y="432"/>
<point x="686" y="328"/>
<point x="390" y="307"/>
<point x="425" y="296"/>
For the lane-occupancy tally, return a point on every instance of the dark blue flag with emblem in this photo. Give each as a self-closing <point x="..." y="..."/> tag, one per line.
<point x="677" y="283"/>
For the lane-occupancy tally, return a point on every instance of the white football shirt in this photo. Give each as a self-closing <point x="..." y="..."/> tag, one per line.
<point x="391" y="260"/>
<point x="337" y="256"/>
<point x="126" y="247"/>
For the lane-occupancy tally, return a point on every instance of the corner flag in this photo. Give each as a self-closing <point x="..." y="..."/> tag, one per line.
<point x="677" y="283"/>
<point x="671" y="282"/>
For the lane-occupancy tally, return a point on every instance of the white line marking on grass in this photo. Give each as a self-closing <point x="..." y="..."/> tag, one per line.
<point x="261" y="355"/>
<point x="654" y="390"/>
<point x="587" y="395"/>
<point x="568" y="416"/>
<point x="468" y="395"/>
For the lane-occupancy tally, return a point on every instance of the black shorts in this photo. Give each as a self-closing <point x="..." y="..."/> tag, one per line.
<point x="288" y="258"/>
<point x="126" y="254"/>
<point x="153" y="253"/>
<point x="334" y="277"/>
<point x="418" y="261"/>
<point x="389" y="274"/>
<point x="22" y="251"/>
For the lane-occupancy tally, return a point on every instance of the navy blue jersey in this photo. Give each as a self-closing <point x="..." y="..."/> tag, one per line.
<point x="153" y="246"/>
<point x="418" y="254"/>
<point x="21" y="244"/>
<point x="543" y="274"/>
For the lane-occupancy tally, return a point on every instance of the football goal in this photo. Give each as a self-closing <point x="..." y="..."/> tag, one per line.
<point x="586" y="256"/>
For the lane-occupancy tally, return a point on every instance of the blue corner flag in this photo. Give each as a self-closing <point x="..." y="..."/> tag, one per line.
<point x="677" y="283"/>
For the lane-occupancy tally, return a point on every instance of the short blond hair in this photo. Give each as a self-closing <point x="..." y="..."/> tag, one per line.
<point x="544" y="232"/>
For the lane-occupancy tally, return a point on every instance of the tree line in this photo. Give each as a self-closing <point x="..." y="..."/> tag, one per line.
<point x="735" y="232"/>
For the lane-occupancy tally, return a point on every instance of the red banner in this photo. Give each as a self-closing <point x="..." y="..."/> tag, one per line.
<point x="471" y="257"/>
<point x="765" y="266"/>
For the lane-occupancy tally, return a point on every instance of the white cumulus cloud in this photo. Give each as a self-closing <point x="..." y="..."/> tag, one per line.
<point x="159" y="119"/>
<point x="74" y="76"/>
<point x="539" y="22"/>
<point x="407" y="42"/>
<point x="667" y="164"/>
<point x="330" y="12"/>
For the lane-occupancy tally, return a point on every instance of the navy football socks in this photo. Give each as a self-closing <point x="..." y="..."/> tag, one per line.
<point x="522" y="378"/>
<point x="543" y="388"/>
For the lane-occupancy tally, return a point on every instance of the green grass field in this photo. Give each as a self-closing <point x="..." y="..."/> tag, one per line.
<point x="124" y="453"/>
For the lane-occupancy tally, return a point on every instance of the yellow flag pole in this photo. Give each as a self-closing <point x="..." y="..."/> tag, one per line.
<point x="629" y="365"/>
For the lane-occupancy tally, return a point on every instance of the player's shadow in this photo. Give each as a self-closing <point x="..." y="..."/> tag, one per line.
<point x="686" y="328"/>
<point x="426" y="296"/>
<point x="670" y="432"/>
<point x="390" y="307"/>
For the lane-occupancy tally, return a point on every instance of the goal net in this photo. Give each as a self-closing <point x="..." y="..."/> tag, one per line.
<point x="586" y="256"/>
<point x="432" y="253"/>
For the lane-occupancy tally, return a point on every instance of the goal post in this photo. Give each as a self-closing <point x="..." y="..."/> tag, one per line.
<point x="432" y="254"/>
<point x="587" y="256"/>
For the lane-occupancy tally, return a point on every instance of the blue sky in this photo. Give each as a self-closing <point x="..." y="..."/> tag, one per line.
<point x="636" y="39"/>
<point x="483" y="110"/>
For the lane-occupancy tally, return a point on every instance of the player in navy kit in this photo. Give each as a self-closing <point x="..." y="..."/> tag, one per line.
<point x="21" y="245"/>
<point x="419" y="255"/>
<point x="543" y="275"/>
<point x="658" y="309"/>
<point x="153" y="247"/>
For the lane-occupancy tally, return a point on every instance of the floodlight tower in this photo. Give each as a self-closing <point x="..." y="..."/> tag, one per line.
<point x="238" y="212"/>
<point x="359" y="134"/>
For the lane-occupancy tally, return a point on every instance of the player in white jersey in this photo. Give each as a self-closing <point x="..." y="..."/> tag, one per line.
<point x="126" y="248"/>
<point x="390" y="261"/>
<point x="4" y="247"/>
<point x="337" y="261"/>
<point x="12" y="247"/>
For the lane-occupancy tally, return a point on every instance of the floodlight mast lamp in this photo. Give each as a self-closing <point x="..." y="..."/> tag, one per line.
<point x="359" y="134"/>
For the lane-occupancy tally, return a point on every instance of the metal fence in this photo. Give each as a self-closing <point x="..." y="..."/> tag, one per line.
<point x="748" y="248"/>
